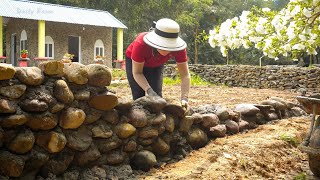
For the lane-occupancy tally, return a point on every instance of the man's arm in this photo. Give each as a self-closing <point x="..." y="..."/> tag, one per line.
<point x="185" y="79"/>
<point x="137" y="71"/>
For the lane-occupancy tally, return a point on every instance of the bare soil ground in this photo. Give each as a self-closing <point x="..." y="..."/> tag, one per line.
<point x="262" y="153"/>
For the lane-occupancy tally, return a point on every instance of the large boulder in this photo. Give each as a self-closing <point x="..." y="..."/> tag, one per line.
<point x="222" y="113"/>
<point x="197" y="138"/>
<point x="160" y="147"/>
<point x="30" y="75"/>
<point x="14" y="91"/>
<point x="174" y="109"/>
<point x="125" y="130"/>
<point x="148" y="132"/>
<point x="22" y="143"/>
<point x="43" y="121"/>
<point x="52" y="141"/>
<point x="92" y="115"/>
<point x="6" y="71"/>
<point x="143" y="160"/>
<point x="99" y="75"/>
<point x="76" y="73"/>
<point x="72" y="118"/>
<point x="101" y="129"/>
<point x="218" y="131"/>
<point x="52" y="68"/>
<point x="62" y="92"/>
<point x="10" y="164"/>
<point x="275" y="104"/>
<point x="209" y="120"/>
<point x="232" y="127"/>
<point x="106" y="145"/>
<point x="185" y="124"/>
<point x="34" y="105"/>
<point x="103" y="101"/>
<point x="37" y="99"/>
<point x="113" y="158"/>
<point x="82" y="95"/>
<point x="151" y="103"/>
<point x="247" y="109"/>
<point x="13" y="121"/>
<point x="157" y="119"/>
<point x="124" y="105"/>
<point x="130" y="146"/>
<point x="138" y="117"/>
<point x="85" y="157"/>
<point x="111" y="116"/>
<point x="79" y="139"/>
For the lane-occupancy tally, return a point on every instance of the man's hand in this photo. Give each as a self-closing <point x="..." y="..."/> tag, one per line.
<point x="185" y="106"/>
<point x="150" y="92"/>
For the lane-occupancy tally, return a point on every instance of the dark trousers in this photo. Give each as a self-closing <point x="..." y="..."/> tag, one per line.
<point x="153" y="75"/>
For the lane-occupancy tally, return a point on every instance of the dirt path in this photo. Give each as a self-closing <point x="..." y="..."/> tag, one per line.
<point x="263" y="153"/>
<point x="268" y="152"/>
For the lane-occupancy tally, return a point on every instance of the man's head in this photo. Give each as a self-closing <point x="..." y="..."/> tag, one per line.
<point x="165" y="36"/>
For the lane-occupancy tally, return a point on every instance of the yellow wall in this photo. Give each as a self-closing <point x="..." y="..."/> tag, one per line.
<point x="41" y="38"/>
<point x="119" y="44"/>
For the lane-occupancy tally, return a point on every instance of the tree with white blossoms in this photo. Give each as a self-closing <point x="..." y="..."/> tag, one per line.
<point x="290" y="32"/>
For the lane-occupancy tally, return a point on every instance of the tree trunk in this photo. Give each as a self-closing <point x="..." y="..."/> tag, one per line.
<point x="196" y="47"/>
<point x="227" y="58"/>
<point x="310" y="63"/>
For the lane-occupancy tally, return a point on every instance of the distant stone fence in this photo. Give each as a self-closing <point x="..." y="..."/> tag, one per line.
<point x="293" y="78"/>
<point x="61" y="121"/>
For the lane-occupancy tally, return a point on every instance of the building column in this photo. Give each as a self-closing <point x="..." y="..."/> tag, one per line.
<point x="119" y="44"/>
<point x="41" y="38"/>
<point x="1" y="40"/>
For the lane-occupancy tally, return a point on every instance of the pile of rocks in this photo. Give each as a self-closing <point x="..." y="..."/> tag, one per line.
<point x="297" y="79"/>
<point x="60" y="120"/>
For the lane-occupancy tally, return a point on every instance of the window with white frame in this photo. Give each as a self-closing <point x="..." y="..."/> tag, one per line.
<point x="98" y="48"/>
<point x="23" y="40"/>
<point x="49" y="47"/>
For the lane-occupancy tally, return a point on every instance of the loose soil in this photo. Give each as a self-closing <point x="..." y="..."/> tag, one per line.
<point x="267" y="152"/>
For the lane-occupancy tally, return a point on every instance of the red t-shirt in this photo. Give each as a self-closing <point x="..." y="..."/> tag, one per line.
<point x="141" y="52"/>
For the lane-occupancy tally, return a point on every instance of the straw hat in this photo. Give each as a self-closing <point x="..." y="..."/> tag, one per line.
<point x="165" y="36"/>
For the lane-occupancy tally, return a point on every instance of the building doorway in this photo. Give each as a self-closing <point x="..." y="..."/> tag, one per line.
<point x="74" y="48"/>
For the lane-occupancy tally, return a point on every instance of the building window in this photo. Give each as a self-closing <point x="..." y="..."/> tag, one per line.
<point x="23" y="40"/>
<point x="98" y="49"/>
<point x="49" y="48"/>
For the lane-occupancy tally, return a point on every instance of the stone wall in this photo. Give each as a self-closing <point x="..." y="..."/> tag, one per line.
<point x="61" y="120"/>
<point x="297" y="79"/>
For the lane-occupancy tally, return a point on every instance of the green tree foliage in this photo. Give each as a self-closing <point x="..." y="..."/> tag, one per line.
<point x="225" y="9"/>
<point x="190" y="14"/>
<point x="196" y="18"/>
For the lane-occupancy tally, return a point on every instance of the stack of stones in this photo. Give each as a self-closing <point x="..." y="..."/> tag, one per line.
<point x="60" y="120"/>
<point x="297" y="79"/>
